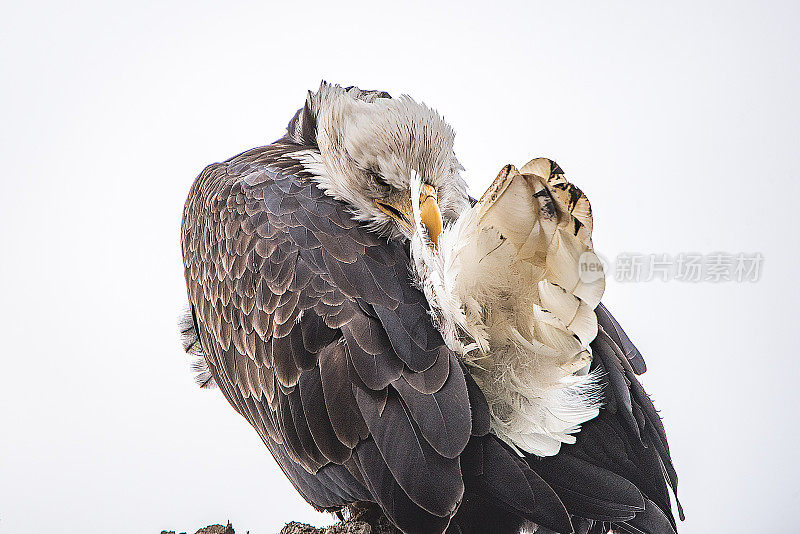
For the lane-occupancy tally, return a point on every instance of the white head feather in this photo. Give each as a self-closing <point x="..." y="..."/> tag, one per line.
<point x="369" y="145"/>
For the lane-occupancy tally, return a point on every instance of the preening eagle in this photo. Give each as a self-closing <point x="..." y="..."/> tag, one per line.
<point x="405" y="350"/>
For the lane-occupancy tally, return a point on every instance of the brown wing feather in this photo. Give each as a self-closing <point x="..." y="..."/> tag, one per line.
<point x="296" y="303"/>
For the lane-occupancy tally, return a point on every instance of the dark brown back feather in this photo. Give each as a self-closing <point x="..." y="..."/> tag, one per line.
<point x="298" y="306"/>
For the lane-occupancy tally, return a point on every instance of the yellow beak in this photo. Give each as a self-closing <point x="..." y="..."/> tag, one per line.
<point x="430" y="215"/>
<point x="399" y="208"/>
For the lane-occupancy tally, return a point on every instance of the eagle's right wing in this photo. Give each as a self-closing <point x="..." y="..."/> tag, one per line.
<point x="620" y="471"/>
<point x="549" y="355"/>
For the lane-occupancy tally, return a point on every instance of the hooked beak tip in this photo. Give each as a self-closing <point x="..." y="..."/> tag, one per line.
<point x="430" y="215"/>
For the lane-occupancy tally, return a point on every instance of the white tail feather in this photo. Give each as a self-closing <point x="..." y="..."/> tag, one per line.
<point x="505" y="291"/>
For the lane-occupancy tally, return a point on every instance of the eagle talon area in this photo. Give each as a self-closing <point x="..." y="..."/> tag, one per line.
<point x="350" y="526"/>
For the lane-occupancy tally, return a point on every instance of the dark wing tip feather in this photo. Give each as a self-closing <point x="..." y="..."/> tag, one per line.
<point x="610" y="325"/>
<point x="393" y="499"/>
<point x="588" y="490"/>
<point x="651" y="520"/>
<point x="499" y="476"/>
<point x="628" y="437"/>
<point x="433" y="482"/>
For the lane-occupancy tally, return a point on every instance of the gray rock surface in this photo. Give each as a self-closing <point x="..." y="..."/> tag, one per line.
<point x="350" y="526"/>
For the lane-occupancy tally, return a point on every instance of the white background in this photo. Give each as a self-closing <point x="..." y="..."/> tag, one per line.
<point x="679" y="120"/>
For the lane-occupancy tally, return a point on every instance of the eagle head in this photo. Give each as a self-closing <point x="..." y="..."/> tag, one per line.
<point x="379" y="155"/>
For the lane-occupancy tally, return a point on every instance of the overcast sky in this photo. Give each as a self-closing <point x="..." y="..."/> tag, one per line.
<point x="679" y="120"/>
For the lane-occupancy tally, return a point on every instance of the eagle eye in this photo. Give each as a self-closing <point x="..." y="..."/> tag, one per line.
<point x="380" y="181"/>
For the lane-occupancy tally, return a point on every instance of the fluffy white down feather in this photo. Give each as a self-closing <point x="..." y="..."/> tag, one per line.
<point x="505" y="292"/>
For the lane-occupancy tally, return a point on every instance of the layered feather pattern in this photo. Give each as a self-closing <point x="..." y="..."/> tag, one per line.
<point x="313" y="331"/>
<point x="507" y="293"/>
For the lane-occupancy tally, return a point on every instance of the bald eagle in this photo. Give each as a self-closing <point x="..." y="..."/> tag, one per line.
<point x="406" y="351"/>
